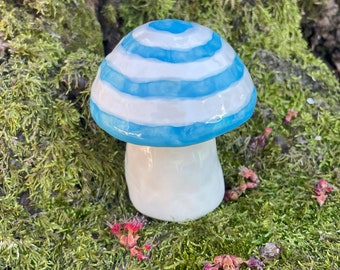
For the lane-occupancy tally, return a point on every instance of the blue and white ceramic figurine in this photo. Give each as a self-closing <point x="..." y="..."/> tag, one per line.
<point x="168" y="89"/>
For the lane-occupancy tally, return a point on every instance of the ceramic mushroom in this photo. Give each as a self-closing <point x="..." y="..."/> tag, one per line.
<point x="168" y="89"/>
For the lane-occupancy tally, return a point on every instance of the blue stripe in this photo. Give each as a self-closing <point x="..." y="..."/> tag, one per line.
<point x="171" y="25"/>
<point x="173" y="89"/>
<point x="131" y="45"/>
<point x="169" y="135"/>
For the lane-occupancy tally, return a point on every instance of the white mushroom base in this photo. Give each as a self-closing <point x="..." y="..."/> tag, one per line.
<point x="174" y="184"/>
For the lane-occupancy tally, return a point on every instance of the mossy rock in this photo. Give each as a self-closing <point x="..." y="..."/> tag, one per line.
<point x="62" y="177"/>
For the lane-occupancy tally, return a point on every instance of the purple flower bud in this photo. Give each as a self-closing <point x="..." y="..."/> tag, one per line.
<point x="253" y="262"/>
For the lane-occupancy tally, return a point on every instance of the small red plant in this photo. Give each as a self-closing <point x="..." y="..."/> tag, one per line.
<point x="290" y="114"/>
<point x="234" y="193"/>
<point x="126" y="233"/>
<point x="260" y="140"/>
<point x="322" y="188"/>
<point x="248" y="174"/>
<point x="233" y="263"/>
<point x="267" y="131"/>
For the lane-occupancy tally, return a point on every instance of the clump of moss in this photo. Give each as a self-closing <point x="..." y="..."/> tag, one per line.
<point x="62" y="177"/>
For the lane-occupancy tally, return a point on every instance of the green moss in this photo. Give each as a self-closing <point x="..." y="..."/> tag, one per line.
<point x="109" y="13"/>
<point x="63" y="177"/>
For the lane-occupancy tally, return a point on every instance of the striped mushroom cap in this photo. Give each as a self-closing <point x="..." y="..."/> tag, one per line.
<point x="171" y="83"/>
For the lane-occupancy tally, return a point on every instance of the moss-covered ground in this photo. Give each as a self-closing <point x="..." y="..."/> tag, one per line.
<point x="62" y="177"/>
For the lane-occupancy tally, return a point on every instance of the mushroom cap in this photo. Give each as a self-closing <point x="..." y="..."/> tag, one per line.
<point x="171" y="83"/>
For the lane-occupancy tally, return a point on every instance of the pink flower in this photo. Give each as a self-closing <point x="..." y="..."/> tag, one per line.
<point x="219" y="259"/>
<point x="147" y="246"/>
<point x="289" y="115"/>
<point x="142" y="257"/>
<point x="232" y="262"/>
<point x="254" y="178"/>
<point x="128" y="238"/>
<point x="123" y="240"/>
<point x="234" y="193"/>
<point x="292" y="112"/>
<point x="131" y="240"/>
<point x="321" y="189"/>
<point x="245" y="172"/>
<point x="323" y="185"/>
<point x="267" y="132"/>
<point x="227" y="262"/>
<point x="133" y="225"/>
<point x="134" y="251"/>
<point x="243" y="187"/>
<point x="115" y="229"/>
<point x="209" y="266"/>
<point x="320" y="198"/>
<point x="137" y="252"/>
<point x="251" y="185"/>
<point x="318" y="190"/>
<point x="231" y="195"/>
<point x="248" y="173"/>
<point x="288" y="118"/>
<point x="237" y="260"/>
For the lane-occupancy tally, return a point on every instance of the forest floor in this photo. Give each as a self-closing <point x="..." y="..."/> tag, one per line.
<point x="62" y="177"/>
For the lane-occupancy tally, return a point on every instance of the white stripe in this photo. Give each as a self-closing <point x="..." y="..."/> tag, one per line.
<point x="143" y="69"/>
<point x="195" y="36"/>
<point x="178" y="112"/>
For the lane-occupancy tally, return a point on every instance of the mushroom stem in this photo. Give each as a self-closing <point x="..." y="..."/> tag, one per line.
<point x="174" y="183"/>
